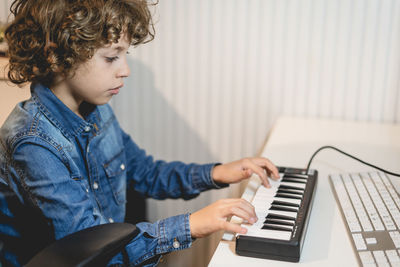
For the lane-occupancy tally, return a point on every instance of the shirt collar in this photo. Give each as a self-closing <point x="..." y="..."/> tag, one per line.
<point x="59" y="114"/>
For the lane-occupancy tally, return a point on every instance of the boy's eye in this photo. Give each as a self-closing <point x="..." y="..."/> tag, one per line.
<point x="111" y="59"/>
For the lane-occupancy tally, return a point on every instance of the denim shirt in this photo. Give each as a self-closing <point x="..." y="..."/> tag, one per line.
<point x="60" y="173"/>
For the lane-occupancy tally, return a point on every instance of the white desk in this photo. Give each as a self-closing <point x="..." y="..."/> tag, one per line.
<point x="291" y="143"/>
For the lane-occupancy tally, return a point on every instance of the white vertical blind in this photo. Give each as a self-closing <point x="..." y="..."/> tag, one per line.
<point x="4" y="10"/>
<point x="218" y="74"/>
<point x="224" y="70"/>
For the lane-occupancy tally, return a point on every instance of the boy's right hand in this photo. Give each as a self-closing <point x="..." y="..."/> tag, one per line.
<point x="213" y="217"/>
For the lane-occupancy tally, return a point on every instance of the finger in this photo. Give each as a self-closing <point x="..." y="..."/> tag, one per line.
<point x="241" y="213"/>
<point x="241" y="208"/>
<point x="269" y="167"/>
<point x="232" y="227"/>
<point x="260" y="172"/>
<point x="248" y="208"/>
<point x="246" y="205"/>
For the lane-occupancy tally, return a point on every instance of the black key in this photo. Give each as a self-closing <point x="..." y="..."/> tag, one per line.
<point x="289" y="180"/>
<point x="279" y="217"/>
<point x="282" y="186"/>
<point x="284" y="203"/>
<point x="279" y="222"/>
<point x="275" y="227"/>
<point x="287" y="196"/>
<point x="281" y="169"/>
<point x="293" y="171"/>
<point x="287" y="191"/>
<point x="297" y="176"/>
<point x="282" y="208"/>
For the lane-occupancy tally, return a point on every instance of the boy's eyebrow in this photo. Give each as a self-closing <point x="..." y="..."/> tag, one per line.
<point x="119" y="48"/>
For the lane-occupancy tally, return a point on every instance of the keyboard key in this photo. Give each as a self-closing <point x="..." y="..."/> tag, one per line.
<point x="370" y="241"/>
<point x="283" y="208"/>
<point x="289" y="191"/>
<point x="383" y="264"/>
<point x="277" y="227"/>
<point x="379" y="256"/>
<point x="359" y="242"/>
<point x="395" y="235"/>
<point x="279" y="222"/>
<point x="393" y="257"/>
<point x="285" y="203"/>
<point x="280" y="217"/>
<point x="366" y="257"/>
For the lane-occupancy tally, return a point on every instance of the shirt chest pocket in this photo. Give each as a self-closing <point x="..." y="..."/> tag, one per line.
<point x="115" y="170"/>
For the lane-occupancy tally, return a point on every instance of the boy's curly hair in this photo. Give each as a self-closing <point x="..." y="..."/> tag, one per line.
<point x="50" y="37"/>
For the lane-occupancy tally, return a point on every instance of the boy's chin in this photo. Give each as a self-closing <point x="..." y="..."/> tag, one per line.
<point x="102" y="101"/>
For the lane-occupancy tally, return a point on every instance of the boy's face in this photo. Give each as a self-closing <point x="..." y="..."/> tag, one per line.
<point x="96" y="80"/>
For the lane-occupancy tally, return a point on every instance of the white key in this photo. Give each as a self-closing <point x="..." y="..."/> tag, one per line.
<point x="383" y="264"/>
<point x="366" y="257"/>
<point x="256" y="231"/>
<point x="379" y="256"/>
<point x="393" y="257"/>
<point x="297" y="185"/>
<point x="395" y="235"/>
<point x="371" y="241"/>
<point x="359" y="242"/>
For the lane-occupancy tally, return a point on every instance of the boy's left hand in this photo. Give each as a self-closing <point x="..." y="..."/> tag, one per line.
<point x="239" y="170"/>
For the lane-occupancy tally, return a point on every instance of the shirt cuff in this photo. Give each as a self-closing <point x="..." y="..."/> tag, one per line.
<point x="158" y="238"/>
<point x="174" y="234"/>
<point x="202" y="178"/>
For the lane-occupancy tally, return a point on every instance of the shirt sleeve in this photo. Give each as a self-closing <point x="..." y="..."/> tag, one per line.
<point x="160" y="179"/>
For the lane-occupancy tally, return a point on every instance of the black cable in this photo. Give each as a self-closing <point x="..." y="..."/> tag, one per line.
<point x="351" y="156"/>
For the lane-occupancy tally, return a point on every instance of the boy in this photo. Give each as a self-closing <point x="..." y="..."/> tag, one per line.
<point x="65" y="163"/>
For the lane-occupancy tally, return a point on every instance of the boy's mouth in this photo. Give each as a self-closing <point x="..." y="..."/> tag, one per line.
<point x="115" y="90"/>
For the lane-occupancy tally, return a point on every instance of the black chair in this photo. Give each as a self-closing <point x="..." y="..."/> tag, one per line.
<point x="94" y="246"/>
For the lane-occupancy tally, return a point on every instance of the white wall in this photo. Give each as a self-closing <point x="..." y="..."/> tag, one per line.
<point x="219" y="73"/>
<point x="226" y="69"/>
<point x="4" y="10"/>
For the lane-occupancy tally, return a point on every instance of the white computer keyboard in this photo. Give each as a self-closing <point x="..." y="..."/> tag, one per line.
<point x="370" y="206"/>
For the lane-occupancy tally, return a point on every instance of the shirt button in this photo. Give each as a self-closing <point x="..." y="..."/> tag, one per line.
<point x="176" y="244"/>
<point x="87" y="128"/>
<point x="95" y="185"/>
<point x="87" y="190"/>
<point x="110" y="220"/>
<point x="122" y="166"/>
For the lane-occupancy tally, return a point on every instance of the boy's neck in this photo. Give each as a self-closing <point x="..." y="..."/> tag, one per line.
<point x="63" y="94"/>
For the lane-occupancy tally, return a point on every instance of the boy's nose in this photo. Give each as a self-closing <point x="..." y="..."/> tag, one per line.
<point x="124" y="70"/>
